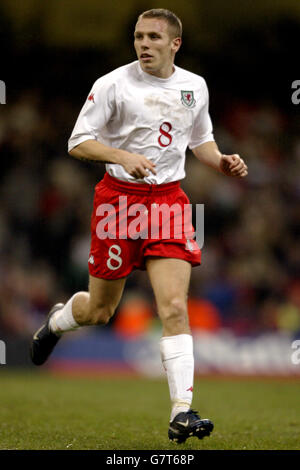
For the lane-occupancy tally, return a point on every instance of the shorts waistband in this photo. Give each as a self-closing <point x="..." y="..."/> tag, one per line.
<point x="139" y="188"/>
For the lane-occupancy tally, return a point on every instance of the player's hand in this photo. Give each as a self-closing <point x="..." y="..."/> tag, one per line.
<point x="233" y="165"/>
<point x="137" y="165"/>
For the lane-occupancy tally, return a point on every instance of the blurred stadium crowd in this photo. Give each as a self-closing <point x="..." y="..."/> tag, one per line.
<point x="249" y="278"/>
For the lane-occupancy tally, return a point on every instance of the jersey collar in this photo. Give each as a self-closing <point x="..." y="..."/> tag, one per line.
<point x="162" y="82"/>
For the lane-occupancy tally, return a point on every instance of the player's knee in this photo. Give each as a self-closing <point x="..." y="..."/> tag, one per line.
<point x="101" y="314"/>
<point x="175" y="312"/>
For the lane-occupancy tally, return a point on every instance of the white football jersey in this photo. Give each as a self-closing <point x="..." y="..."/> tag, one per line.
<point x="135" y="111"/>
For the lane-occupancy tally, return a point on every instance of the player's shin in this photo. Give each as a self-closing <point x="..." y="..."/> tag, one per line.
<point x="63" y="320"/>
<point x="178" y="361"/>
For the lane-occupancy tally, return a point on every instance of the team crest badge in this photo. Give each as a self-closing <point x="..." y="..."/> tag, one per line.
<point x="187" y="98"/>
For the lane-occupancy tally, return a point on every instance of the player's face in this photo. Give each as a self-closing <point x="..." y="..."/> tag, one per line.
<point x="155" y="47"/>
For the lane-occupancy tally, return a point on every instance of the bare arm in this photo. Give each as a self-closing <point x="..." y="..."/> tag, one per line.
<point x="231" y="165"/>
<point x="92" y="150"/>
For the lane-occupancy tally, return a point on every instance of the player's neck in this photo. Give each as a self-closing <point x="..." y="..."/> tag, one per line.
<point x="164" y="72"/>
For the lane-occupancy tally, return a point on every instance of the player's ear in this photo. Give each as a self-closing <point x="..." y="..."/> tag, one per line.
<point x="176" y="43"/>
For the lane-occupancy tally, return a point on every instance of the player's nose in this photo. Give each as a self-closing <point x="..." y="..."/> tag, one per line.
<point x="145" y="44"/>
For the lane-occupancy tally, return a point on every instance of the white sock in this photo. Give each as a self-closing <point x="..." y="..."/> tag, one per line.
<point x="178" y="361"/>
<point x="63" y="319"/>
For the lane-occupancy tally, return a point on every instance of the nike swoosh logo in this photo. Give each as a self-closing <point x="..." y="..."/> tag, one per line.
<point x="35" y="337"/>
<point x="183" y="424"/>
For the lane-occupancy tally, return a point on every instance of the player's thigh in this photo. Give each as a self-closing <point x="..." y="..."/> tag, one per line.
<point x="170" y="279"/>
<point x="105" y="293"/>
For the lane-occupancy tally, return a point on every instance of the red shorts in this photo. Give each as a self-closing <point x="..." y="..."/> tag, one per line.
<point x="132" y="221"/>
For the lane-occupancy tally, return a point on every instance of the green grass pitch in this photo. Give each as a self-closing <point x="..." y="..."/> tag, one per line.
<point x="42" y="411"/>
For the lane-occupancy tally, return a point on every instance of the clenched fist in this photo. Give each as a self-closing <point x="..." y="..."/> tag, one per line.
<point x="233" y="165"/>
<point x="137" y="165"/>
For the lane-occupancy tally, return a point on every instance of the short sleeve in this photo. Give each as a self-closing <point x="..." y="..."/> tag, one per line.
<point x="202" y="129"/>
<point x="95" y="113"/>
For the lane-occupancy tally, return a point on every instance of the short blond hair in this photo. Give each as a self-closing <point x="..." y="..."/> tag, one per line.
<point x="174" y="23"/>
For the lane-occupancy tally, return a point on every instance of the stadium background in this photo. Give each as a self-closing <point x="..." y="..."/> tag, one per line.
<point x="245" y="299"/>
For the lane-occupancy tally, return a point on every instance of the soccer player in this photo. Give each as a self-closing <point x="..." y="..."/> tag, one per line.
<point x="139" y="120"/>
